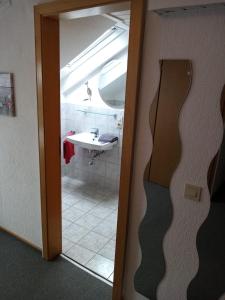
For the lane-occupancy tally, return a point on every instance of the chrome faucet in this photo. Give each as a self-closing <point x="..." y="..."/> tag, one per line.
<point x="95" y="131"/>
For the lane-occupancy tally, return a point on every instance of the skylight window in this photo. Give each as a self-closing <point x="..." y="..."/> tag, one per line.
<point x="113" y="42"/>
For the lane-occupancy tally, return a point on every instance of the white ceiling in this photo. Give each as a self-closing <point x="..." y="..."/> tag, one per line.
<point x="120" y="16"/>
<point x="101" y="10"/>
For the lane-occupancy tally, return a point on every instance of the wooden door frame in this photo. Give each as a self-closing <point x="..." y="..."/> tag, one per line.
<point x="48" y="97"/>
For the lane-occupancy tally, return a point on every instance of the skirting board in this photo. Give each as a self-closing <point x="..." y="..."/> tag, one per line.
<point x="21" y="239"/>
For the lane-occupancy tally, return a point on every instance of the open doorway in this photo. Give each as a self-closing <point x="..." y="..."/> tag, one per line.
<point x="93" y="71"/>
<point x="47" y="39"/>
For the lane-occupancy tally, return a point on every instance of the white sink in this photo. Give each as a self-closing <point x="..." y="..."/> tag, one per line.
<point x="88" y="141"/>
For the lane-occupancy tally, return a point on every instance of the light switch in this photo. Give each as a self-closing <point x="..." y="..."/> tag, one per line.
<point x="192" y="192"/>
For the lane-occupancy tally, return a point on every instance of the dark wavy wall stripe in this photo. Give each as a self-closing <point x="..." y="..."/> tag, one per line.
<point x="209" y="282"/>
<point x="174" y="86"/>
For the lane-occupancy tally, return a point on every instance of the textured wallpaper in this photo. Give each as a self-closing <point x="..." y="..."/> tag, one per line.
<point x="198" y="36"/>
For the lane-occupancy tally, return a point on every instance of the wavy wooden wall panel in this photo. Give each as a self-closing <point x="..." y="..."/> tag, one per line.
<point x="174" y="87"/>
<point x="209" y="282"/>
<point x="175" y="83"/>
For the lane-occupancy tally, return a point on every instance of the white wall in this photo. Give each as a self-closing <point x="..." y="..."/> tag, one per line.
<point x="19" y="161"/>
<point x="161" y="4"/>
<point x="198" y="36"/>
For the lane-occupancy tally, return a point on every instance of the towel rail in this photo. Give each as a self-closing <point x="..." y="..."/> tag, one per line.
<point x="95" y="113"/>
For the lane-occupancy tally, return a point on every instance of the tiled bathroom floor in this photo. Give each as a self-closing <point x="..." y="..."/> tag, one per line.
<point x="89" y="221"/>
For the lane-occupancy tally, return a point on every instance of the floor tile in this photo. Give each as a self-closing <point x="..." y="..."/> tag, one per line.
<point x="70" y="200"/>
<point x="110" y="203"/>
<point x="65" y="224"/>
<point x="88" y="221"/>
<point x="65" y="192"/>
<point x="101" y="265"/>
<point x="72" y="214"/>
<point x="89" y="225"/>
<point x="106" y="229"/>
<point x="78" y="194"/>
<point x="109" y="250"/>
<point x="66" y="245"/>
<point x="84" y="205"/>
<point x="64" y="206"/>
<point x="93" y="241"/>
<point x="75" y="232"/>
<point x="80" y="254"/>
<point x="114" y="237"/>
<point x="112" y="218"/>
<point x="93" y="198"/>
<point x="75" y="183"/>
<point x="101" y="211"/>
<point x="67" y="188"/>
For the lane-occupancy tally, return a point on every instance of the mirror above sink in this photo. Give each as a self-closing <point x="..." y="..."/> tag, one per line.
<point x="112" y="83"/>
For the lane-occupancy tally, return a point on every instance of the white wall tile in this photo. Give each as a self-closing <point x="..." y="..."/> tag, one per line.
<point x="105" y="171"/>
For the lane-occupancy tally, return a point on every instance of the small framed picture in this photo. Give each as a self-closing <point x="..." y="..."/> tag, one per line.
<point x="7" y="99"/>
